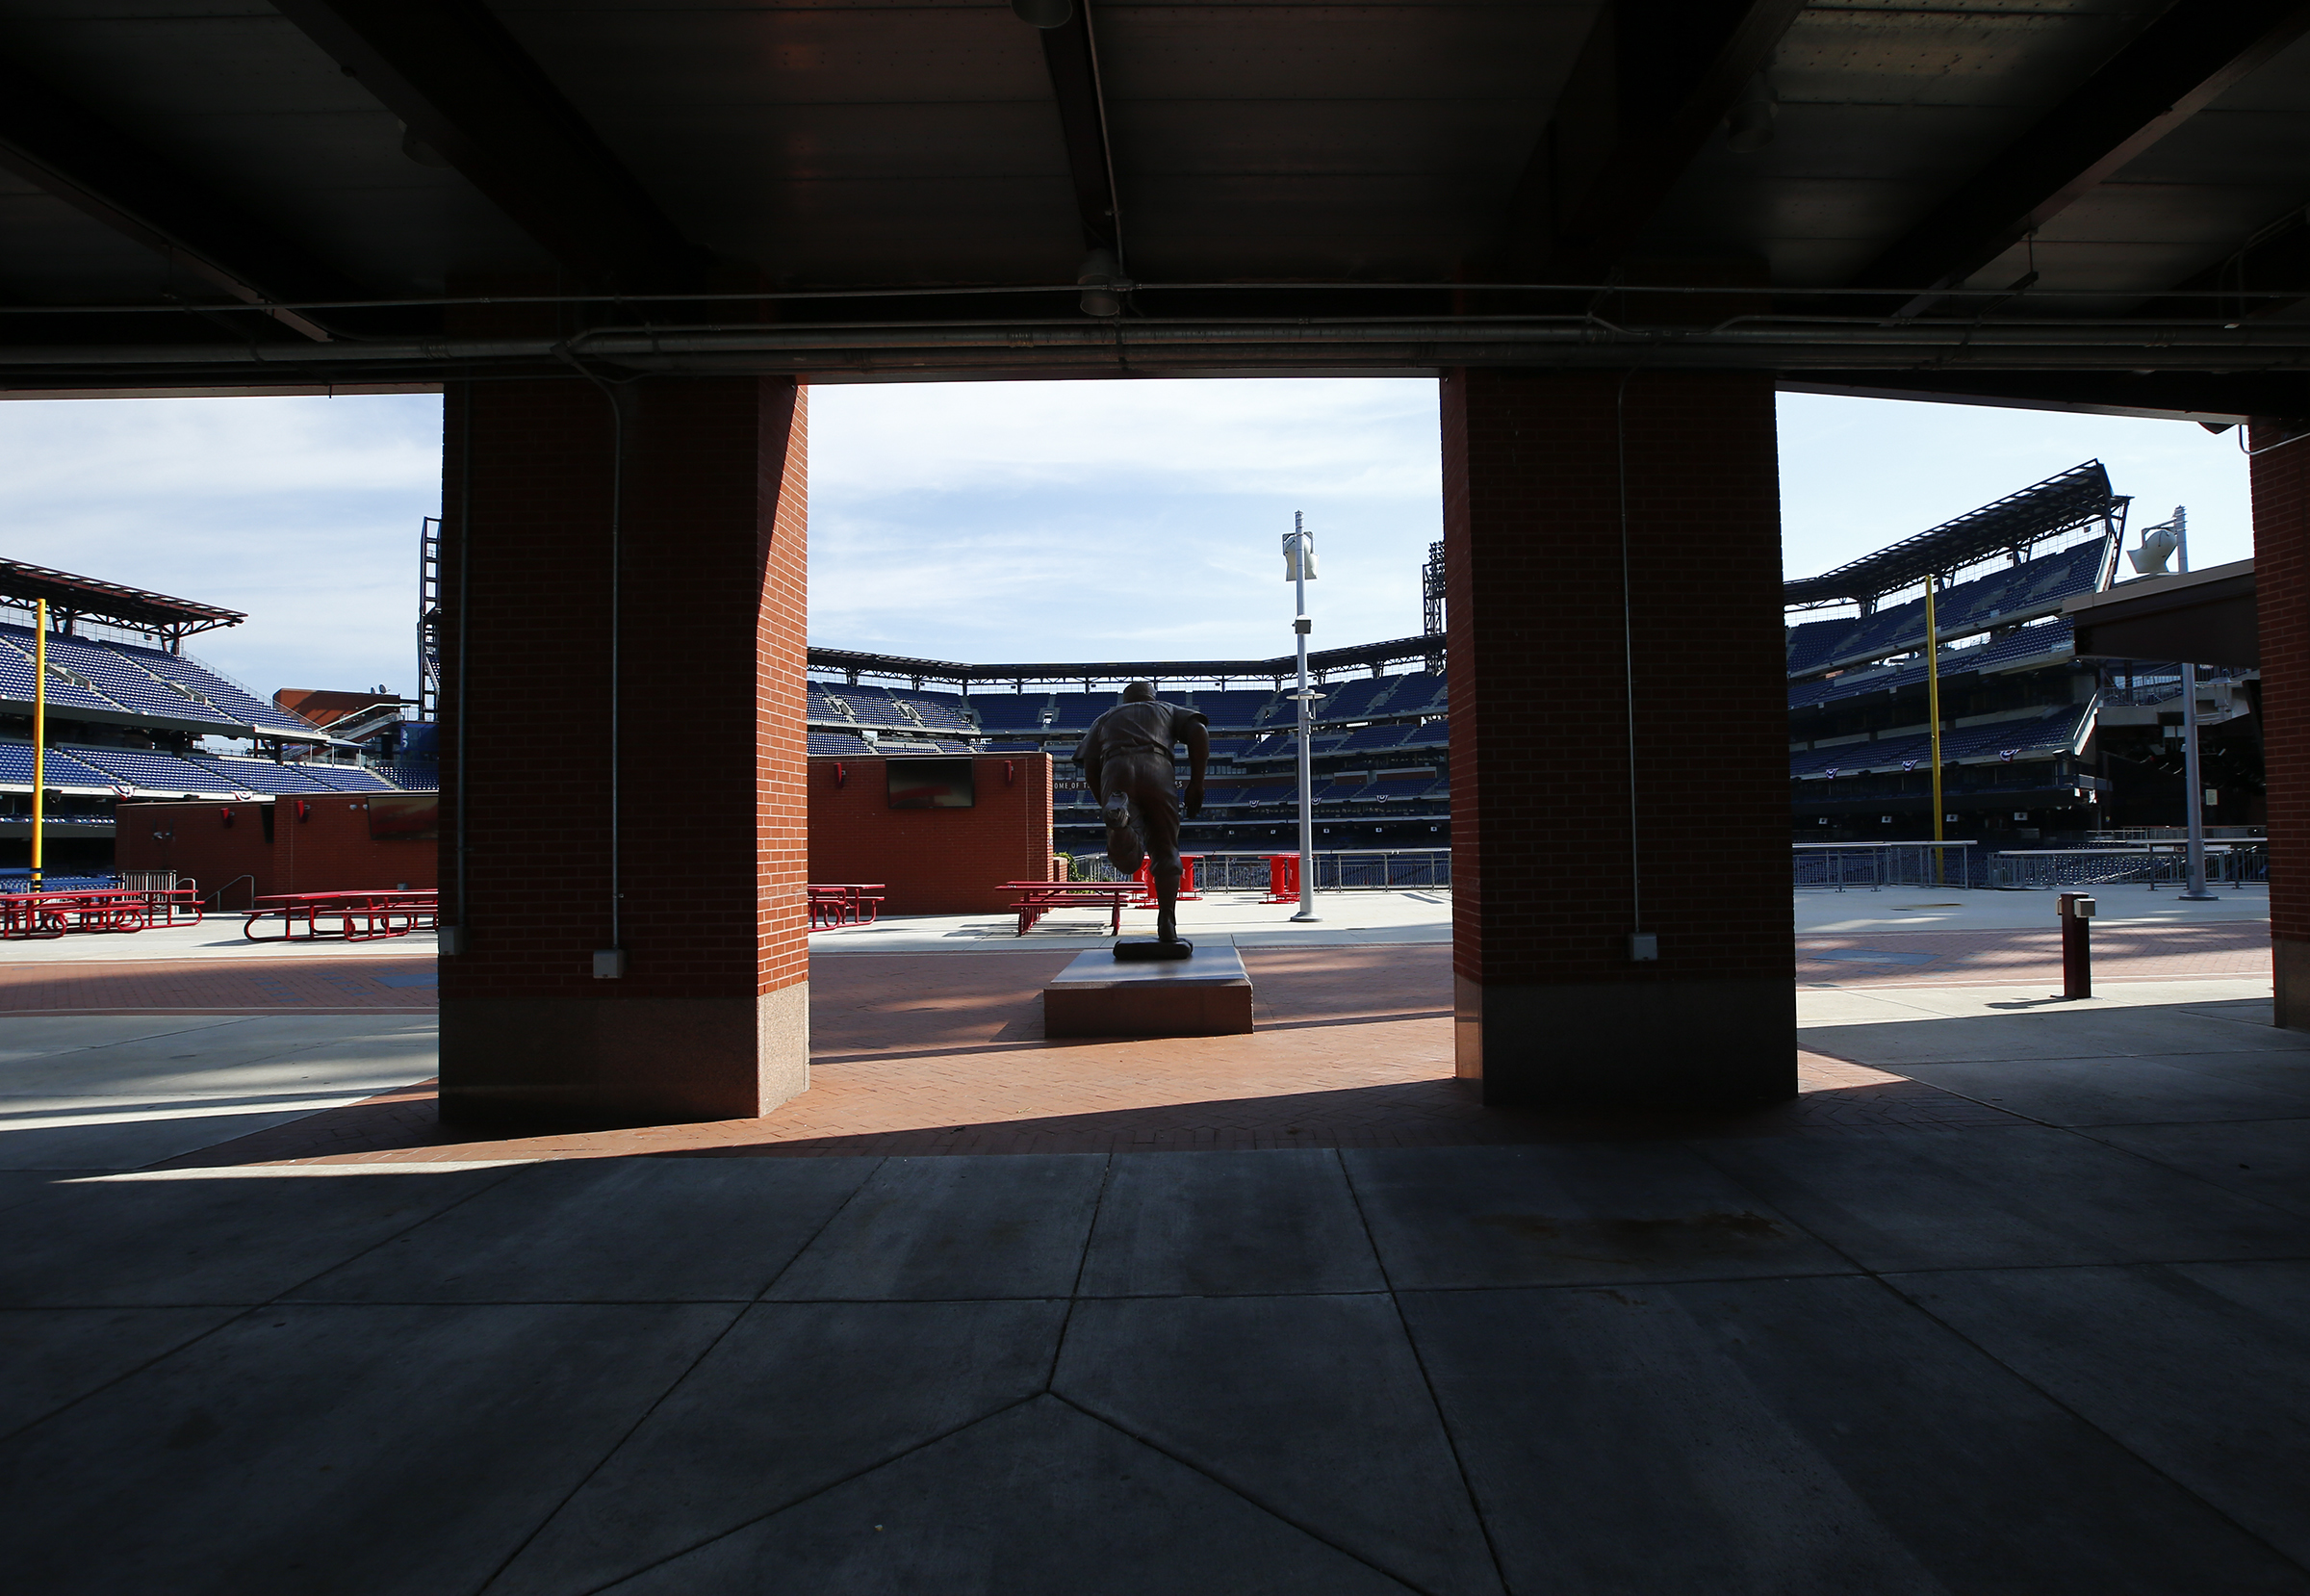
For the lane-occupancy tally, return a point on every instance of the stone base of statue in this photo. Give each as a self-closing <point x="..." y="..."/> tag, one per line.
<point x="1206" y="995"/>
<point x="1141" y="950"/>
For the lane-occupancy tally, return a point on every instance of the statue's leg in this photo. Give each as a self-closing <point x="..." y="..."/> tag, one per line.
<point x="1166" y="903"/>
<point x="1159" y="806"/>
<point x="1125" y="849"/>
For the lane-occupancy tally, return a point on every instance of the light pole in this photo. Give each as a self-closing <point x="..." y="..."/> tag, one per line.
<point x="1932" y="714"/>
<point x="1299" y="568"/>
<point x="39" y="739"/>
<point x="2195" y="797"/>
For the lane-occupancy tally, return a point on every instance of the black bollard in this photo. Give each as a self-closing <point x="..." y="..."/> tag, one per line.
<point x="2077" y="945"/>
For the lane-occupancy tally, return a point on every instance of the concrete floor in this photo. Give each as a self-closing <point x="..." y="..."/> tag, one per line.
<point x="2062" y="1348"/>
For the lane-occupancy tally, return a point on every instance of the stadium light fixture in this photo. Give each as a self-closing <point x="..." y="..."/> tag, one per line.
<point x="2160" y="544"/>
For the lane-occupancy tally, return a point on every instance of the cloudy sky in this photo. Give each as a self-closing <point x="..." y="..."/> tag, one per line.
<point x="980" y="521"/>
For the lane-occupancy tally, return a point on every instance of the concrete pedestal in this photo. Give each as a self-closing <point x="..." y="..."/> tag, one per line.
<point x="1098" y="996"/>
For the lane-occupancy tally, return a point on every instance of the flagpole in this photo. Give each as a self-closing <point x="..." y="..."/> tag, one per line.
<point x="40" y="734"/>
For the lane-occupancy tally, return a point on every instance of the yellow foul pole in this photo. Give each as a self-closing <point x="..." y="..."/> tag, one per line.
<point x="40" y="734"/>
<point x="1933" y="712"/>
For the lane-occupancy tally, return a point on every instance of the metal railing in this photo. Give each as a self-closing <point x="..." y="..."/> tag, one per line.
<point x="215" y="899"/>
<point x="1873" y="867"/>
<point x="1337" y="871"/>
<point x="2163" y="865"/>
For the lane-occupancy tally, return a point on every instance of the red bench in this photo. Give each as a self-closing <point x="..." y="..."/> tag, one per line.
<point x="844" y="903"/>
<point x="363" y="916"/>
<point x="1034" y="899"/>
<point x="27" y="915"/>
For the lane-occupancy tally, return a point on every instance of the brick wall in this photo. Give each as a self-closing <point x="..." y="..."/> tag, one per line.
<point x="2281" y="489"/>
<point x="933" y="861"/>
<point x="711" y="840"/>
<point x="1540" y="692"/>
<point x="329" y="850"/>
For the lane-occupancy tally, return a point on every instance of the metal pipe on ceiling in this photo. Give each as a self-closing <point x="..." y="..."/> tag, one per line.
<point x="1572" y="342"/>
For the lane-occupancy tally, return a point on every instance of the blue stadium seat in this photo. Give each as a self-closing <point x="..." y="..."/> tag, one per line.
<point x="1077" y="710"/>
<point x="1234" y="706"/>
<point x="151" y="771"/>
<point x="1416" y="692"/>
<point x="236" y="703"/>
<point x="62" y="769"/>
<point x="260" y="775"/>
<point x="1375" y="736"/>
<point x="1353" y="698"/>
<point x="16" y="645"/>
<point x="941" y="712"/>
<point x="2035" y="587"/>
<point x="346" y="778"/>
<point x="1010" y="711"/>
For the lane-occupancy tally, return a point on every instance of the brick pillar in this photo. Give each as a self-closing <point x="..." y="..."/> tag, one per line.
<point x="1550" y="869"/>
<point x="711" y="1017"/>
<point x="2282" y="487"/>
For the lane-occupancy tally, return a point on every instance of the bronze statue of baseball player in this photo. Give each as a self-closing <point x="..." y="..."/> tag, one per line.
<point x="1126" y="757"/>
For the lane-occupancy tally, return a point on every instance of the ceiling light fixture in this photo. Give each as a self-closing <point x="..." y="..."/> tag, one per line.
<point x="1098" y="276"/>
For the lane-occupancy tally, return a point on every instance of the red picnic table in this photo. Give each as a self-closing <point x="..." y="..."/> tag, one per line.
<point x="1034" y="899"/>
<point x="29" y="916"/>
<point x="840" y="903"/>
<point x="361" y="917"/>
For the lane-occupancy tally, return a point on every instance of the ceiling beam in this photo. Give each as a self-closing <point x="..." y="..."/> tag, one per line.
<point x="2267" y="274"/>
<point x="1654" y="79"/>
<point x="463" y="86"/>
<point x="2217" y="400"/>
<point x="55" y="144"/>
<point x="2176" y="68"/>
<point x="1071" y="54"/>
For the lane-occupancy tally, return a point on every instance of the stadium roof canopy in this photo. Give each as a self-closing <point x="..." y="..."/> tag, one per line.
<point x="2063" y="504"/>
<point x="88" y="598"/>
<point x="2085" y="206"/>
<point x="1372" y="656"/>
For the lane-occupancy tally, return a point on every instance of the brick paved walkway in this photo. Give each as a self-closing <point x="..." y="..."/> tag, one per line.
<point x="936" y="1053"/>
<point x="282" y="984"/>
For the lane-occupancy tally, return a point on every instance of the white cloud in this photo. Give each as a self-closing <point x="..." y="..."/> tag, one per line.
<point x="1064" y="521"/>
<point x="1248" y="436"/>
<point x="1858" y="474"/>
<point x="981" y="521"/>
<point x="302" y="512"/>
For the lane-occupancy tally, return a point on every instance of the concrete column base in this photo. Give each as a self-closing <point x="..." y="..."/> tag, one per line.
<point x="2290" y="972"/>
<point x="1663" y="1045"/>
<point x="537" y="1063"/>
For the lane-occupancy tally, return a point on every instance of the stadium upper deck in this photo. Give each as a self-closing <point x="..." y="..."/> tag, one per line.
<point x="2034" y="741"/>
<point x="1380" y="769"/>
<point x="127" y="718"/>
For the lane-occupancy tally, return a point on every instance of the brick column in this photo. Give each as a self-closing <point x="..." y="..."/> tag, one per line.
<point x="1553" y="864"/>
<point x="711" y="1017"/>
<point x="2282" y="487"/>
